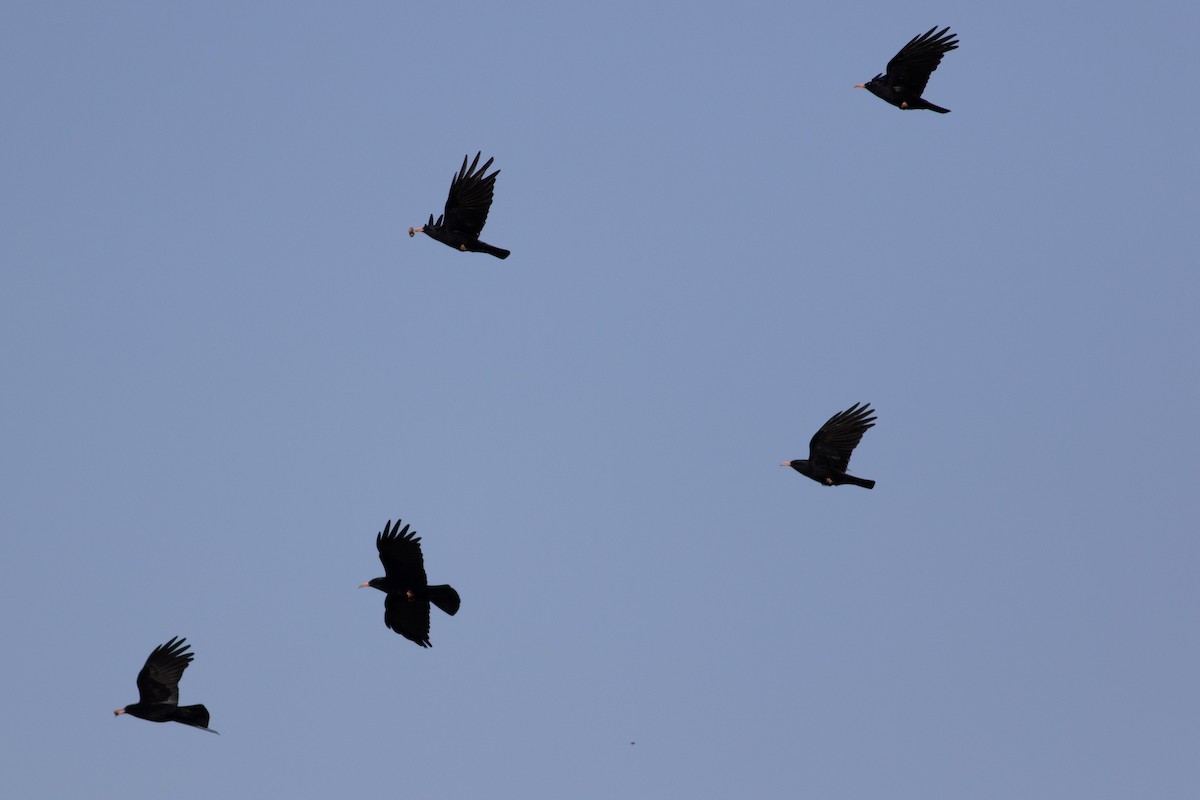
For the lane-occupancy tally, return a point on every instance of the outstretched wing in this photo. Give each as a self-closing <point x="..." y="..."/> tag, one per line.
<point x="400" y="552"/>
<point x="408" y="617"/>
<point x="158" y="682"/>
<point x="470" y="198"/>
<point x="832" y="445"/>
<point x="909" y="71"/>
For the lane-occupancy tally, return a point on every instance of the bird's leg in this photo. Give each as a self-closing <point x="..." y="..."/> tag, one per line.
<point x="829" y="481"/>
<point x="462" y="247"/>
<point x="409" y="594"/>
<point x="904" y="104"/>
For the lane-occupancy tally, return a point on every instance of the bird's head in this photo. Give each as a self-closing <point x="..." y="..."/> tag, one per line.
<point x="794" y="463"/>
<point x="118" y="712"/>
<point x="415" y="231"/>
<point x="374" y="583"/>
<point x="871" y="84"/>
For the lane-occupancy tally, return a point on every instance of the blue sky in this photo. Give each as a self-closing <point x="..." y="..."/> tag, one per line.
<point x="227" y="366"/>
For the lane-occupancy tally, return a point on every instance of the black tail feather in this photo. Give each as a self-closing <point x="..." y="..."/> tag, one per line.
<point x="865" y="483"/>
<point x="498" y="252"/>
<point x="196" y="716"/>
<point x="445" y="598"/>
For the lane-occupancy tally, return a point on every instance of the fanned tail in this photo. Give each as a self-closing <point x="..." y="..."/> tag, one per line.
<point x="445" y="598"/>
<point x="196" y="716"/>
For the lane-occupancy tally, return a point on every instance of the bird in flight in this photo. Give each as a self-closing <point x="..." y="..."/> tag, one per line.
<point x="830" y="448"/>
<point x="406" y="607"/>
<point x="909" y="71"/>
<point x="158" y="688"/>
<point x="466" y="211"/>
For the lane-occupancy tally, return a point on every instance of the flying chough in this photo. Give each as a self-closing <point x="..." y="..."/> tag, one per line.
<point x="909" y="71"/>
<point x="830" y="448"/>
<point x="406" y="607"/>
<point x="158" y="688"/>
<point x="466" y="211"/>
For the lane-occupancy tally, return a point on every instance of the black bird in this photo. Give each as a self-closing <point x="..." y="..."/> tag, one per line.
<point x="158" y="688"/>
<point x="466" y="211"/>
<point x="406" y="608"/>
<point x="830" y="448"/>
<point x="909" y="71"/>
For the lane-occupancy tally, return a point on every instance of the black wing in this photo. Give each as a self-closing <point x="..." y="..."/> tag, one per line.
<point x="407" y="617"/>
<point x="916" y="61"/>
<point x="470" y="198"/>
<point x="400" y="552"/>
<point x="158" y="682"/>
<point x="832" y="445"/>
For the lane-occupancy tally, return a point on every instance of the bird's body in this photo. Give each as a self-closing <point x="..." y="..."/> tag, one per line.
<point x="466" y="211"/>
<point x="908" y="72"/>
<point x="406" y="607"/>
<point x="830" y="448"/>
<point x="158" y="688"/>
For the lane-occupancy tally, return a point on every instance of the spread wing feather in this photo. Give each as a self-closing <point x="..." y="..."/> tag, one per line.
<point x="400" y="552"/>
<point x="832" y="445"/>
<point x="911" y="67"/>
<point x="470" y="197"/>
<point x="407" y="617"/>
<point x="158" y="682"/>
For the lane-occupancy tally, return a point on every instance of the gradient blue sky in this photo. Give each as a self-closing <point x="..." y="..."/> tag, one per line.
<point x="226" y="366"/>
